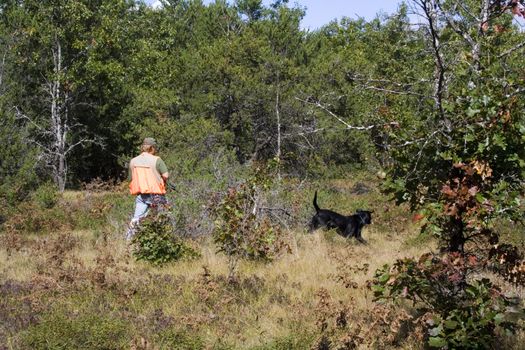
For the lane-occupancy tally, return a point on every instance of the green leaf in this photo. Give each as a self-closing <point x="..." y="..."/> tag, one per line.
<point x="384" y="277"/>
<point x="481" y="147"/>
<point x="498" y="318"/>
<point x="480" y="198"/>
<point x="437" y="342"/>
<point x="378" y="289"/>
<point x="472" y="291"/>
<point x="450" y="324"/>
<point x="434" y="332"/>
<point x="470" y="137"/>
<point x="472" y="112"/>
<point x="499" y="140"/>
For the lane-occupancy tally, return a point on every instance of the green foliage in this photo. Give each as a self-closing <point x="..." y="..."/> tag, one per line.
<point x="241" y="74"/>
<point x="46" y="196"/>
<point x="456" y="311"/>
<point x="157" y="242"/>
<point x="18" y="176"/>
<point x="224" y="84"/>
<point x="208" y="158"/>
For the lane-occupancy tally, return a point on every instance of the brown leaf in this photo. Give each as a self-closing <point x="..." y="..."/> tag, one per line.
<point x="417" y="216"/>
<point x="446" y="190"/>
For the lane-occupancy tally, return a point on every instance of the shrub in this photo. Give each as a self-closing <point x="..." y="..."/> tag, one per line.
<point x="46" y="196"/>
<point x="40" y="220"/>
<point x="18" y="161"/>
<point x="456" y="312"/>
<point x="73" y="211"/>
<point x="157" y="242"/>
<point x="96" y="211"/>
<point x="241" y="229"/>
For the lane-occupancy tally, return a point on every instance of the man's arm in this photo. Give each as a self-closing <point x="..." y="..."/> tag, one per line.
<point x="163" y="170"/>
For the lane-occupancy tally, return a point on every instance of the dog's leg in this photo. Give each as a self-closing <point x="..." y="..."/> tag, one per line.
<point x="361" y="240"/>
<point x="349" y="230"/>
<point x="358" y="235"/>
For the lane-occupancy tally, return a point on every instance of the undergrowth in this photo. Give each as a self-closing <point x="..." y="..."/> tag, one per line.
<point x="69" y="281"/>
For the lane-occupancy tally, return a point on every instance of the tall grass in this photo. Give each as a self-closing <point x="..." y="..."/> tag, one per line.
<point x="79" y="286"/>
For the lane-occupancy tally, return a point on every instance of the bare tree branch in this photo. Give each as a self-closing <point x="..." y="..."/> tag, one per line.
<point x="394" y="91"/>
<point x="21" y="116"/>
<point x="511" y="50"/>
<point x="2" y="65"/>
<point x="339" y="119"/>
<point x="430" y="14"/>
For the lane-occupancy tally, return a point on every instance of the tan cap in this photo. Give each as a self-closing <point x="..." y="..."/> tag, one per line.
<point x="149" y="141"/>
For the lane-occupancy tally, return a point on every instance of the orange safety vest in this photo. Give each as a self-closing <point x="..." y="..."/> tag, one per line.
<point x="145" y="179"/>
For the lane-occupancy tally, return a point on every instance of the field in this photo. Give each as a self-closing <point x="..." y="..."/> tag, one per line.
<point x="68" y="280"/>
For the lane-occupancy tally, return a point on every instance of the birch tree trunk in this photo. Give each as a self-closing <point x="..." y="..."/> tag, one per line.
<point x="59" y="118"/>
<point x="278" y="154"/>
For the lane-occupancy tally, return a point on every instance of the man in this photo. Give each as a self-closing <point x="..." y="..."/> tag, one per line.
<point x="149" y="176"/>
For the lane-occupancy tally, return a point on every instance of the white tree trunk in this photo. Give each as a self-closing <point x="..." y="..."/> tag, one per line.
<point x="278" y="154"/>
<point x="59" y="119"/>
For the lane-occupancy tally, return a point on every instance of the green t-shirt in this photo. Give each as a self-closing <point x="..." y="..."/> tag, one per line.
<point x="161" y="166"/>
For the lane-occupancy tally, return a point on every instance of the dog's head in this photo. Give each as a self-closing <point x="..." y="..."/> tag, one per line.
<point x="365" y="216"/>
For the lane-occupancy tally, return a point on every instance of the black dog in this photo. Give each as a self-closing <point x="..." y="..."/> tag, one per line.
<point x="347" y="226"/>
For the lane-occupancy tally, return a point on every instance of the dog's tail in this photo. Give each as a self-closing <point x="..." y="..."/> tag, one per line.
<point x="315" y="203"/>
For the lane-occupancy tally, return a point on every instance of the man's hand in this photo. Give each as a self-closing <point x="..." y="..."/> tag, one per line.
<point x="168" y="184"/>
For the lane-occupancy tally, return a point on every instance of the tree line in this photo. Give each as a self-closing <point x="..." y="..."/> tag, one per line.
<point x="83" y="81"/>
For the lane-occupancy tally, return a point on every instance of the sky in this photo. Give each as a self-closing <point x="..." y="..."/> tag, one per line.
<point x="321" y="12"/>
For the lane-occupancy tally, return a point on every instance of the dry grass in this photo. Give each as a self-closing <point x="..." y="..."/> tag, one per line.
<point x="290" y="299"/>
<point x="269" y="300"/>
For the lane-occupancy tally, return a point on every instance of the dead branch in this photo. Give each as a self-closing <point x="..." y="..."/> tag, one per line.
<point x="339" y="119"/>
<point x="511" y="50"/>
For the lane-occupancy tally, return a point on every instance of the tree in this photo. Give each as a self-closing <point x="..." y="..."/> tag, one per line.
<point x="18" y="175"/>
<point x="48" y="55"/>
<point x="364" y="80"/>
<point x="465" y="163"/>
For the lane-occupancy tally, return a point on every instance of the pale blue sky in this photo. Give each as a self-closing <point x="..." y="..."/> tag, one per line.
<point x="320" y="12"/>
